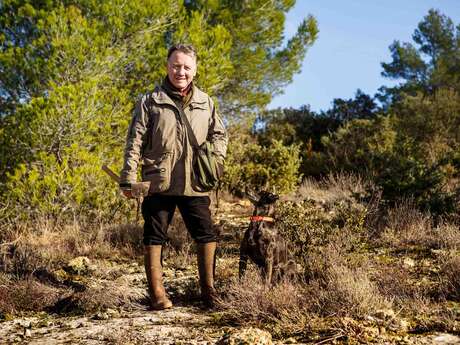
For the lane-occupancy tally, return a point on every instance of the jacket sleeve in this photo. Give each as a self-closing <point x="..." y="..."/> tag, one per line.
<point x="217" y="133"/>
<point x="134" y="141"/>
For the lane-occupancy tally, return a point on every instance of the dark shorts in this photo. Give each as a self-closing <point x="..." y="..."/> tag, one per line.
<point x="158" y="211"/>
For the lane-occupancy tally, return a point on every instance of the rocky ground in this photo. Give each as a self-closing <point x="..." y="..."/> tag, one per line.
<point x="187" y="322"/>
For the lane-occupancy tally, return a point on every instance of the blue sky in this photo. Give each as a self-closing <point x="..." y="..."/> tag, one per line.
<point x="353" y="41"/>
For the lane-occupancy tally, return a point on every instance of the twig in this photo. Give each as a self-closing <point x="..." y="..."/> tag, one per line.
<point x="338" y="335"/>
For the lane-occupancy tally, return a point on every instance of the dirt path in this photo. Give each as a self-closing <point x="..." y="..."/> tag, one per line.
<point x="186" y="323"/>
<point x="181" y="325"/>
<point x="131" y="323"/>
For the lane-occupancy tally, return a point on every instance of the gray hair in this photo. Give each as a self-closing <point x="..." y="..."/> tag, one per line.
<point x="184" y="48"/>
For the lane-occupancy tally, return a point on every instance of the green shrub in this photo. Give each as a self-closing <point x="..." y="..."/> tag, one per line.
<point x="410" y="153"/>
<point x="273" y="167"/>
<point x="310" y="225"/>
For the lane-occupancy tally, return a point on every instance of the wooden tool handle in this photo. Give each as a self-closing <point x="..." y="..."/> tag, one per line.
<point x="110" y="172"/>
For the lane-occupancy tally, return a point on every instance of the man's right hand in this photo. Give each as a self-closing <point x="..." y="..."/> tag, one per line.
<point x="127" y="193"/>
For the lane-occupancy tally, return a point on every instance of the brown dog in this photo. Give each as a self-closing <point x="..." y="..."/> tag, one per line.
<point x="262" y="242"/>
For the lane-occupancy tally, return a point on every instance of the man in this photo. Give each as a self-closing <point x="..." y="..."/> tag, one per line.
<point x="158" y="140"/>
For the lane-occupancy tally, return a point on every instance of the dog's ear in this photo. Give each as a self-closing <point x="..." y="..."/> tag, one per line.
<point x="267" y="198"/>
<point x="252" y="196"/>
<point x="274" y="197"/>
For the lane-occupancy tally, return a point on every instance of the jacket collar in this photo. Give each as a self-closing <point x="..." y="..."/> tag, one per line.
<point x="160" y="96"/>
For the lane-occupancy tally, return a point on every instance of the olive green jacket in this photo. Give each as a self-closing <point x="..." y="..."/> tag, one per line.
<point x="157" y="140"/>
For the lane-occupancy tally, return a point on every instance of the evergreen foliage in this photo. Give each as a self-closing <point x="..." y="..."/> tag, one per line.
<point x="306" y="128"/>
<point x="251" y="165"/>
<point x="432" y="63"/>
<point x="71" y="71"/>
<point x="409" y="148"/>
<point x="409" y="153"/>
<point x="261" y="65"/>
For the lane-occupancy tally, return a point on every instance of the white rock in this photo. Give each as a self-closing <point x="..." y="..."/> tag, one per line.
<point x="445" y="338"/>
<point x="246" y="336"/>
<point x="408" y="262"/>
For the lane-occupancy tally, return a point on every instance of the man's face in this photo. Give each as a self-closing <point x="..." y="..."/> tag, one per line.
<point x="181" y="69"/>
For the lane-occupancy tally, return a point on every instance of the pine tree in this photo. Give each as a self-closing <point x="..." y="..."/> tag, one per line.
<point x="432" y="63"/>
<point x="71" y="71"/>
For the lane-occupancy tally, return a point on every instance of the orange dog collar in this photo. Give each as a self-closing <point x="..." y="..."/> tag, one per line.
<point x="261" y="219"/>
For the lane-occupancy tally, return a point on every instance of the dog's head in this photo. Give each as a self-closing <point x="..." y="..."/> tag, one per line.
<point x="263" y="202"/>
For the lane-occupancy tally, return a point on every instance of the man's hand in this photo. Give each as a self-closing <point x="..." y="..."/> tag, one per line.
<point x="135" y="190"/>
<point x="125" y="187"/>
<point x="127" y="193"/>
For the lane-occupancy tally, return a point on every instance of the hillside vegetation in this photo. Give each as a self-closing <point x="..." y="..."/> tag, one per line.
<point x="370" y="189"/>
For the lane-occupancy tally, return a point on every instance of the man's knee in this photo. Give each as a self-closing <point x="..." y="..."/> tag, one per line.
<point x="197" y="217"/>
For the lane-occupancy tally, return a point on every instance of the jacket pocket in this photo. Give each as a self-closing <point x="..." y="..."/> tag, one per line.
<point x="158" y="173"/>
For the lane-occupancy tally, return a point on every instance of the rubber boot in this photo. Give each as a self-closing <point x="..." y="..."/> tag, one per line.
<point x="154" y="273"/>
<point x="206" y="267"/>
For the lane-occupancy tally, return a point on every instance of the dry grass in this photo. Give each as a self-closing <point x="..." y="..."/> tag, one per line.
<point x="26" y="295"/>
<point x="341" y="285"/>
<point x="351" y="269"/>
<point x="100" y="296"/>
<point x="334" y="289"/>
<point x="333" y="187"/>
<point x="449" y="275"/>
<point x="348" y="291"/>
<point x="448" y="236"/>
<point x="48" y="246"/>
<point x="34" y="258"/>
<point x="397" y="284"/>
<point x="250" y="301"/>
<point x="17" y="296"/>
<point x="30" y="258"/>
<point x="126" y="239"/>
<point x="405" y="226"/>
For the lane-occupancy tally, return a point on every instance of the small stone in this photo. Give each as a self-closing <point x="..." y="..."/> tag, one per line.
<point x="290" y="340"/>
<point x="112" y="312"/>
<point x="27" y="333"/>
<point x="79" y="265"/>
<point x="370" y="318"/>
<point x="408" y="262"/>
<point x="25" y="324"/>
<point x="246" y="336"/>
<point x="101" y="316"/>
<point x="384" y="314"/>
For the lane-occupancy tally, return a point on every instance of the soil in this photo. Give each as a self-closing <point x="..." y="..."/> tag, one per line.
<point x="186" y="323"/>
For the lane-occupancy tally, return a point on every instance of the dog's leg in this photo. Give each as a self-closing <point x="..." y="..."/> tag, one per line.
<point x="243" y="260"/>
<point x="269" y="271"/>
